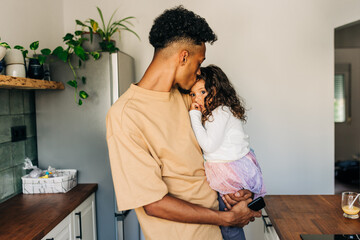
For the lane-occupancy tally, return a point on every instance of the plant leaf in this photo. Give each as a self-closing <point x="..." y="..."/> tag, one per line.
<point x="80" y="102"/>
<point x="80" y="23"/>
<point x="68" y="36"/>
<point x="72" y="83"/>
<point x="4" y="44"/>
<point x="83" y="95"/>
<point x="78" y="33"/>
<point x="34" y="45"/>
<point x="19" y="47"/>
<point x="45" y="51"/>
<point x="108" y="46"/>
<point x="96" y="55"/>
<point x="25" y="52"/>
<point x="41" y="59"/>
<point x="128" y="29"/>
<point x="112" y="16"/>
<point x="126" y="20"/>
<point x="80" y="52"/>
<point x="60" y="53"/>
<point x="102" y="18"/>
<point x="72" y="43"/>
<point x="94" y="24"/>
<point x="83" y="79"/>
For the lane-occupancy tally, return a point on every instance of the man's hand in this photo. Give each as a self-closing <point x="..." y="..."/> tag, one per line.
<point x="195" y="106"/>
<point x="178" y="210"/>
<point x="240" y="215"/>
<point x="233" y="198"/>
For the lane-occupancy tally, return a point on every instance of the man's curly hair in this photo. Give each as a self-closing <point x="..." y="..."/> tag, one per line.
<point x="178" y="24"/>
<point x="220" y="93"/>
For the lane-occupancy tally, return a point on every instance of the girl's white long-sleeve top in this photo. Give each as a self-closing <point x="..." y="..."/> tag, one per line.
<point x="222" y="138"/>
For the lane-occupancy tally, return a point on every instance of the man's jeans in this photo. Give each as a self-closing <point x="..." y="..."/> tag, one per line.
<point x="230" y="233"/>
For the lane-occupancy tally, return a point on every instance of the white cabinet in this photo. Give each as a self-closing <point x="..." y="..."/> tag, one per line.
<point x="63" y="231"/>
<point x="269" y="230"/>
<point x="80" y="224"/>
<point x="84" y="220"/>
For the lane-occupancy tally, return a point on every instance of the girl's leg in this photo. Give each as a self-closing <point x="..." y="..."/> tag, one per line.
<point x="230" y="233"/>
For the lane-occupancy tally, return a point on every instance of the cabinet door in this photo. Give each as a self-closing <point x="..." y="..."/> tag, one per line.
<point x="84" y="220"/>
<point x="61" y="232"/>
<point x="269" y="230"/>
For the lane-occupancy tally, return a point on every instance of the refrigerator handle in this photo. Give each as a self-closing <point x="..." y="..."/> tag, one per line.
<point x="121" y="216"/>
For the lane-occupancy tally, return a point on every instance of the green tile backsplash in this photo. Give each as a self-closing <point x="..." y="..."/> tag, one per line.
<point x="17" y="107"/>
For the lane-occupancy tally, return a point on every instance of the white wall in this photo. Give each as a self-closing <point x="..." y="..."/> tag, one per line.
<point x="278" y="53"/>
<point x="280" y="56"/>
<point x="23" y="22"/>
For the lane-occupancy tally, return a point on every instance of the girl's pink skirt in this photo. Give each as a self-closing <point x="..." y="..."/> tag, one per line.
<point x="229" y="177"/>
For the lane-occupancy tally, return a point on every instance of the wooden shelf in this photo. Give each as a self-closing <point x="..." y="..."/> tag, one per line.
<point x="28" y="83"/>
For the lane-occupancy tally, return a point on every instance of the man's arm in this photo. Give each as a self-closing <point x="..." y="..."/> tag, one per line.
<point x="174" y="209"/>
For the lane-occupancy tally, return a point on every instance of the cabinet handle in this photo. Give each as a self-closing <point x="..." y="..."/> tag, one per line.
<point x="79" y="214"/>
<point x="265" y="223"/>
<point x="50" y="239"/>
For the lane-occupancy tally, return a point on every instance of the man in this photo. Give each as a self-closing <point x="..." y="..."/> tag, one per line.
<point x="156" y="163"/>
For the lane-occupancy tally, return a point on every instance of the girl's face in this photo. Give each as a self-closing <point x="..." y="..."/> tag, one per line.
<point x="198" y="93"/>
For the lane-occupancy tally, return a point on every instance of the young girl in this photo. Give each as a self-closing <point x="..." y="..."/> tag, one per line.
<point x="217" y="117"/>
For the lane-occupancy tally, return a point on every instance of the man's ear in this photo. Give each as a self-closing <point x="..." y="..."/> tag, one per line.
<point x="183" y="57"/>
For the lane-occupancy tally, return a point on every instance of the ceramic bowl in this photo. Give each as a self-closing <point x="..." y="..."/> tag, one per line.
<point x="2" y="52"/>
<point x="14" y="56"/>
<point x="15" y="70"/>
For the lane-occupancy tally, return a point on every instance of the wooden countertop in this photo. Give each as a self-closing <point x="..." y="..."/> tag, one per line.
<point x="32" y="216"/>
<point x="292" y="215"/>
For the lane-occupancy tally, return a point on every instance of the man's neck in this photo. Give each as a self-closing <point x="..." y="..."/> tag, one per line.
<point x="160" y="75"/>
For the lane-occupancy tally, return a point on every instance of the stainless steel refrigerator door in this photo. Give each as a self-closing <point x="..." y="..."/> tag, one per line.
<point x="123" y="75"/>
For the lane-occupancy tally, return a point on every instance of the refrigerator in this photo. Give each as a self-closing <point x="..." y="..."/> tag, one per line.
<point x="74" y="137"/>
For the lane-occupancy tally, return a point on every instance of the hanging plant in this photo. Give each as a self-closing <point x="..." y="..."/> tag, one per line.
<point x="74" y="47"/>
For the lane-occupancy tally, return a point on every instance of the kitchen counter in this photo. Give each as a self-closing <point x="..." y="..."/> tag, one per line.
<point x="32" y="216"/>
<point x="292" y="215"/>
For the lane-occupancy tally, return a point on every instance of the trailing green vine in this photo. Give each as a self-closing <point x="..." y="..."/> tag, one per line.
<point x="74" y="47"/>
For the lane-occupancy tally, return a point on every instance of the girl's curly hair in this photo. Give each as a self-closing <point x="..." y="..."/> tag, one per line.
<point x="178" y="24"/>
<point x="220" y="93"/>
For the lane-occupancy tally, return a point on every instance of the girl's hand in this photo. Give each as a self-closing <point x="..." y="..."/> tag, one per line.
<point x="233" y="198"/>
<point x="195" y="106"/>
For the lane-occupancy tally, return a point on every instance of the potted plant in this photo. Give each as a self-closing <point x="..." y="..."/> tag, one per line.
<point x="3" y="47"/>
<point x="74" y="48"/>
<point x="14" y="61"/>
<point x="106" y="31"/>
<point x="36" y="69"/>
<point x="91" y="37"/>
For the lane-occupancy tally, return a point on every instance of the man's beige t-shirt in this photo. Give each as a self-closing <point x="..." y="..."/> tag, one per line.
<point x="153" y="152"/>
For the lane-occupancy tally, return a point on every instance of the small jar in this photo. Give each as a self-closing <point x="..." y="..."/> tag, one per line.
<point x="35" y="70"/>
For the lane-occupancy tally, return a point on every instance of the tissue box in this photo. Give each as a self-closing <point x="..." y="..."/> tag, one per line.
<point x="66" y="180"/>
